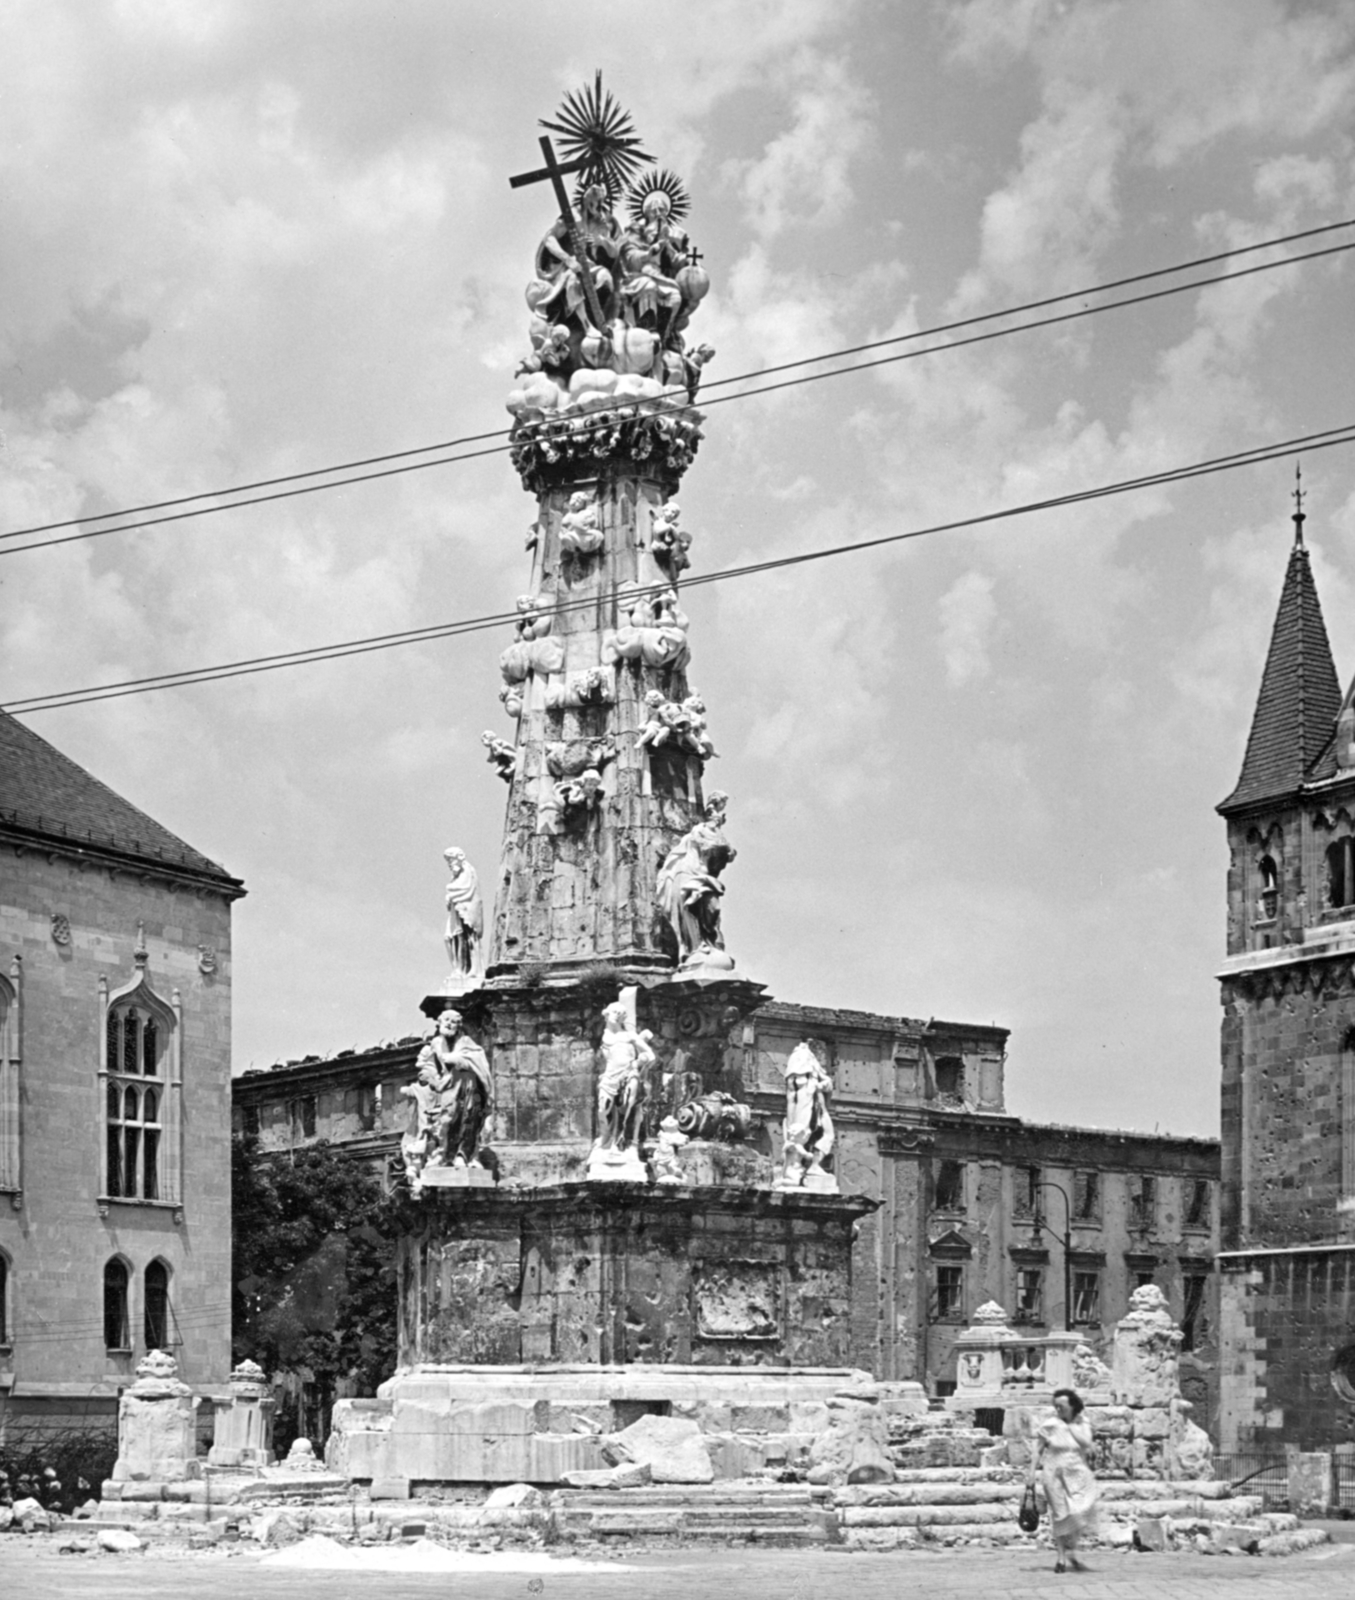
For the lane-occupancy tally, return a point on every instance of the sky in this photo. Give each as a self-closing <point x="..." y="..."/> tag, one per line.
<point x="972" y="775"/>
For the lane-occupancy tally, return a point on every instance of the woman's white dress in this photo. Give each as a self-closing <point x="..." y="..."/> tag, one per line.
<point x="1069" y="1486"/>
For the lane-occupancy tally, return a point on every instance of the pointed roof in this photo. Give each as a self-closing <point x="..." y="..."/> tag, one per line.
<point x="1300" y="696"/>
<point x="47" y="796"/>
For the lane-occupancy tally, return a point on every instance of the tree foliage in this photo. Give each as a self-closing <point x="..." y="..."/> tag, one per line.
<point x="313" y="1269"/>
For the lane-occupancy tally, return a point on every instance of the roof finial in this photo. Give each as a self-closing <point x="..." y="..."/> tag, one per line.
<point x="141" y="955"/>
<point x="1298" y="504"/>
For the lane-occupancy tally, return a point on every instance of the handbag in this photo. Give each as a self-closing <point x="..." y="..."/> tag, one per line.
<point x="1028" y="1517"/>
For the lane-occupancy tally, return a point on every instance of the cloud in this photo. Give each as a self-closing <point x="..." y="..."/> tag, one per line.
<point x="968" y="612"/>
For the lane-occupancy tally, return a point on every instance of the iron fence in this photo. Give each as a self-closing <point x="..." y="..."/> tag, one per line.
<point x="1343" y="1482"/>
<point x="1251" y="1472"/>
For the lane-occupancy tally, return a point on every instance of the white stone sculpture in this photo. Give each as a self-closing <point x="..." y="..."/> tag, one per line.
<point x="689" y="888"/>
<point x="464" y="936"/>
<point x="669" y="542"/>
<point x="449" y="1101"/>
<point x="580" y="532"/>
<point x="626" y="1057"/>
<point x="807" y="1139"/>
<point x="666" y="1161"/>
<point x="654" y="632"/>
<point x="501" y="755"/>
<point x="676" y="722"/>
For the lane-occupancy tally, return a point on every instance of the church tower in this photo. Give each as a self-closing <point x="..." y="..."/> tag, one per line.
<point x="1288" y="996"/>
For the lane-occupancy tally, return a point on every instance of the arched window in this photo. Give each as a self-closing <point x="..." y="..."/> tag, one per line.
<point x="133" y="1134"/>
<point x="141" y="1089"/>
<point x="117" y="1322"/>
<point x="155" y="1303"/>
<point x="1341" y="873"/>
<point x="4" y="1299"/>
<point x="10" y="1168"/>
<point x="1268" y="901"/>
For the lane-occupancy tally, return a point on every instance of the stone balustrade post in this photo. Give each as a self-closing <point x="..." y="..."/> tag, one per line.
<point x="243" y="1435"/>
<point x="157" y="1426"/>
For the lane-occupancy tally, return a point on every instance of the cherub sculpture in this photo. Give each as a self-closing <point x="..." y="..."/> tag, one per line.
<point x="668" y="540"/>
<point x="665" y="1162"/>
<point x="580" y="534"/>
<point x="502" y="756"/>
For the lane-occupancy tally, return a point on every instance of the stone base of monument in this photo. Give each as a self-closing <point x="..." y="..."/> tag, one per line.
<point x="505" y="1424"/>
<point x="616" y="1166"/>
<point x="810" y="1183"/>
<point x="457" y="1177"/>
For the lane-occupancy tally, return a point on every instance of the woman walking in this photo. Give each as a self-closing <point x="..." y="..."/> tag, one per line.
<point x="1062" y="1446"/>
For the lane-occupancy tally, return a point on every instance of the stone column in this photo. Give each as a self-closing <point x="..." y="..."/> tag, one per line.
<point x="243" y="1435"/>
<point x="156" y="1426"/>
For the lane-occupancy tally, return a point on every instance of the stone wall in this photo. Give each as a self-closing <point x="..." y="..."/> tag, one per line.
<point x="1288" y="1317"/>
<point x="57" y="1230"/>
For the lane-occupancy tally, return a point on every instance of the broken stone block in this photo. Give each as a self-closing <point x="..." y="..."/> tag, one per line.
<point x="515" y="1495"/>
<point x="1192" y="1452"/>
<point x="1233" y="1536"/>
<point x="157" y="1425"/>
<point x="119" y="1540"/>
<point x="1310" y="1482"/>
<point x="854" y="1448"/>
<point x="1153" y="1533"/>
<point x="629" y="1475"/>
<point x="390" y="1489"/>
<point x="671" y="1447"/>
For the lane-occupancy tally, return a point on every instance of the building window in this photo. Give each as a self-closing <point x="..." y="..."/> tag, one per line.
<point x="117" y="1323"/>
<point x="1029" y="1294"/>
<point x="252" y="1121"/>
<point x="1087" y="1197"/>
<point x="1143" y="1204"/>
<point x="1341" y="873"/>
<point x="1193" y="1286"/>
<point x="1086" y="1296"/>
<point x="133" y="1132"/>
<point x="134" y="1103"/>
<point x="1197" y="1203"/>
<point x="1268" y="901"/>
<point x="9" y="1081"/>
<point x="949" y="1299"/>
<point x="950" y="1077"/>
<point x="1026" y="1192"/>
<point x="156" y="1304"/>
<point x="303" y="1117"/>
<point x="950" y="1186"/>
<point x="369" y="1106"/>
<point x="4" y="1300"/>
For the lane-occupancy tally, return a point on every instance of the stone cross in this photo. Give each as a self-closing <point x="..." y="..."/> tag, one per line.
<point x="556" y="172"/>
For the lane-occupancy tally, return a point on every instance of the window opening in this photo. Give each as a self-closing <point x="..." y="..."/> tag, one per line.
<point x="1086" y="1297"/>
<point x="117" y="1330"/>
<point x="156" y="1318"/>
<point x="1269" y="899"/>
<point x="1192" y="1312"/>
<point x="949" y="1293"/>
<point x="1087" y="1196"/>
<point x="950" y="1077"/>
<point x="1197" y="1205"/>
<point x="950" y="1186"/>
<point x="1143" y="1203"/>
<point x="133" y="1133"/>
<point x="1030" y="1294"/>
<point x="1026" y="1192"/>
<point x="1341" y="873"/>
<point x="4" y="1299"/>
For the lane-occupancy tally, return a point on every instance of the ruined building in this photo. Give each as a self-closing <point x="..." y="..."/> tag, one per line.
<point x="115" y="1031"/>
<point x="1287" y="1267"/>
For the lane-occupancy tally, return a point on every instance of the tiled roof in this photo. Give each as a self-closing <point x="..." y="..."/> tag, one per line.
<point x="45" y="793"/>
<point x="1300" y="696"/>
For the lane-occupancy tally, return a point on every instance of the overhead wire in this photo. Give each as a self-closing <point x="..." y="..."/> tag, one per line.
<point x="605" y="417"/>
<point x="1275" y="450"/>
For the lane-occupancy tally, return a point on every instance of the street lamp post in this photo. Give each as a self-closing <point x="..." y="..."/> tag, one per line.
<point x="1067" y="1243"/>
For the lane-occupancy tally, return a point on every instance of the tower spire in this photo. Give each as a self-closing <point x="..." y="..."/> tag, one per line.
<point x="1299" y="497"/>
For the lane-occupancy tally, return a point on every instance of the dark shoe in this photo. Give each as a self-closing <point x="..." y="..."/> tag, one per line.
<point x="1059" y="1567"/>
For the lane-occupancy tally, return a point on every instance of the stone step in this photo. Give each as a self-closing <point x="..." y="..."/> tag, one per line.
<point x="673" y="1525"/>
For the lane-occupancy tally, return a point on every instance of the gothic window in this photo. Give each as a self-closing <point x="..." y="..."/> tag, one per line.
<point x="1086" y="1296"/>
<point x="950" y="1186"/>
<point x="950" y="1077"/>
<point x="133" y="1131"/>
<point x="1143" y="1204"/>
<point x="948" y="1297"/>
<point x="117" y="1322"/>
<point x="4" y="1301"/>
<point x="1193" y="1286"/>
<point x="1197" y="1203"/>
<point x="155" y="1305"/>
<point x="1267" y="902"/>
<point x="1029" y="1294"/>
<point x="1087" y="1197"/>
<point x="1341" y="873"/>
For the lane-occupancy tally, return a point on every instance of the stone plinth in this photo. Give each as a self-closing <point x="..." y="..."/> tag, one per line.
<point x="156" y="1426"/>
<point x="506" y="1424"/>
<point x="619" y="1273"/>
<point x="243" y="1434"/>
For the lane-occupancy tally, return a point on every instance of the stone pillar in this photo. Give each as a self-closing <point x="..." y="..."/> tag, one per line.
<point x="243" y="1434"/>
<point x="1310" y="1481"/>
<point x="979" y="1365"/>
<point x="156" y="1426"/>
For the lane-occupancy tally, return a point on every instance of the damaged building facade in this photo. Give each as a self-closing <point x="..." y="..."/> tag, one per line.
<point x="972" y="1199"/>
<point x="1287" y="1264"/>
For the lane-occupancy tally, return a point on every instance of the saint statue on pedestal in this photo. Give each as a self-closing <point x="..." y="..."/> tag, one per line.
<point x="450" y="1102"/>
<point x="464" y="937"/>
<point x="808" y="1135"/>
<point x="626" y="1057"/>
